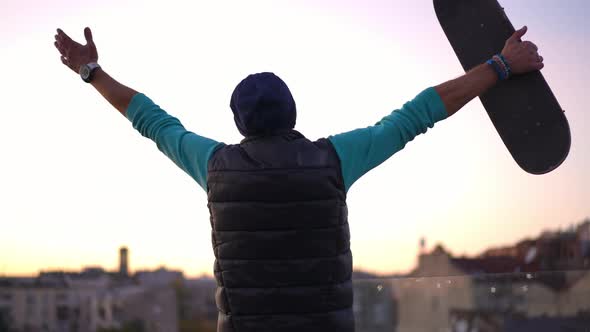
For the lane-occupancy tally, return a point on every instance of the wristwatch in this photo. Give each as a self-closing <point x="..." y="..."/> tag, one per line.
<point x="87" y="71"/>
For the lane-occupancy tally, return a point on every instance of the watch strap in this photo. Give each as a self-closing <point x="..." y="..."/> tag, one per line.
<point x="92" y="67"/>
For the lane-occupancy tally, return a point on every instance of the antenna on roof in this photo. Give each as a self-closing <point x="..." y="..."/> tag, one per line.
<point x="422" y="245"/>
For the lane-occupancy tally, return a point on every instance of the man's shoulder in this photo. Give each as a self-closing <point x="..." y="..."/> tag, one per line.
<point x="279" y="151"/>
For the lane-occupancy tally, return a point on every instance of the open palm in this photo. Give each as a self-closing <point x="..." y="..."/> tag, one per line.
<point x="74" y="54"/>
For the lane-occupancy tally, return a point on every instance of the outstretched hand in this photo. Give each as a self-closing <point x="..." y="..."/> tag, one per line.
<point x="522" y="56"/>
<point x="74" y="54"/>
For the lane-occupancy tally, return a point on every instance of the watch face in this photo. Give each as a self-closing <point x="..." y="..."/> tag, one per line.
<point x="84" y="72"/>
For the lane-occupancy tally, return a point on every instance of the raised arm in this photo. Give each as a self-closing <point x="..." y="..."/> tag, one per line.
<point x="522" y="57"/>
<point x="75" y="55"/>
<point x="186" y="149"/>
<point x="363" y="149"/>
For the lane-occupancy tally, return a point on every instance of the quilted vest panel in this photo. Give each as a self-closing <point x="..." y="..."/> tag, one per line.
<point x="280" y="236"/>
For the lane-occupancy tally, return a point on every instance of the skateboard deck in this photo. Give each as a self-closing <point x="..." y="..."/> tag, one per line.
<point x="523" y="109"/>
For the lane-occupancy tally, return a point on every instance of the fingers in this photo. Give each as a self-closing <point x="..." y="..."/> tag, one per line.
<point x="524" y="55"/>
<point x="515" y="38"/>
<point x="62" y="36"/>
<point x="88" y="35"/>
<point x="59" y="48"/>
<point x="536" y="62"/>
<point x="64" y="40"/>
<point x="62" y="47"/>
<point x="61" y="40"/>
<point x="530" y="45"/>
<point x="538" y="66"/>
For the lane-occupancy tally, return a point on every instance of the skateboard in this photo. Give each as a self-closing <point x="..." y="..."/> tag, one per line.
<point x="524" y="110"/>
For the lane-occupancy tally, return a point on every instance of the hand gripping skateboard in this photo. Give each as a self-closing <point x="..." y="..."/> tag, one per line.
<point x="523" y="108"/>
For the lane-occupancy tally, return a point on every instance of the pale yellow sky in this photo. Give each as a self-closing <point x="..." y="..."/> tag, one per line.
<point x="77" y="181"/>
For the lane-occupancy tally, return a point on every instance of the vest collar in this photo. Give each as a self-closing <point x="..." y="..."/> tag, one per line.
<point x="288" y="134"/>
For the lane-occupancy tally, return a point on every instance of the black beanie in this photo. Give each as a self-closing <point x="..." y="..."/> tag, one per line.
<point x="262" y="104"/>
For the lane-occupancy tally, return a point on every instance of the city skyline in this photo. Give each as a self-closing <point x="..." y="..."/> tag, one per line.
<point x="77" y="180"/>
<point x="529" y="282"/>
<point x="124" y="266"/>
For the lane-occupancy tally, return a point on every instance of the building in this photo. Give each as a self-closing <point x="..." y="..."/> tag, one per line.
<point x="154" y="309"/>
<point x="505" y="289"/>
<point x="159" y="277"/>
<point x="90" y="300"/>
<point x="124" y="261"/>
<point x="37" y="304"/>
<point x="559" y="250"/>
<point x="374" y="306"/>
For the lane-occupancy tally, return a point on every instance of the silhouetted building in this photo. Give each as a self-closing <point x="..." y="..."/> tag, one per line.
<point x="197" y="300"/>
<point x="56" y="304"/>
<point x="551" y="251"/>
<point x="90" y="300"/>
<point x="124" y="261"/>
<point x="506" y="289"/>
<point x="375" y="305"/>
<point x="159" y="277"/>
<point x="153" y="309"/>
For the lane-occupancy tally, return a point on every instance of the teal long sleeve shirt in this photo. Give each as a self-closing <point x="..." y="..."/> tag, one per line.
<point x="359" y="150"/>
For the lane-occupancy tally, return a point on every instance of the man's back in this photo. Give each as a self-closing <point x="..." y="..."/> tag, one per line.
<point x="280" y="236"/>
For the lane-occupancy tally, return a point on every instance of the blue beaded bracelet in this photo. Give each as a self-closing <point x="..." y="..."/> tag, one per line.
<point x="501" y="73"/>
<point x="508" y="69"/>
<point x="501" y="66"/>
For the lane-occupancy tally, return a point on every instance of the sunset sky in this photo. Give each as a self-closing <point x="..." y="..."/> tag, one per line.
<point x="77" y="181"/>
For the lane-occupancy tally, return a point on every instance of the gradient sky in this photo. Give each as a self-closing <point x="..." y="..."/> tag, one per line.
<point x="77" y="182"/>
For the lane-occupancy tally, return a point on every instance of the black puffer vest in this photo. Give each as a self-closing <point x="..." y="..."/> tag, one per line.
<point x="280" y="236"/>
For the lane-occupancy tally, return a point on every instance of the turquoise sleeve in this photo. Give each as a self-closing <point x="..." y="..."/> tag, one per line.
<point x="363" y="149"/>
<point x="186" y="149"/>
